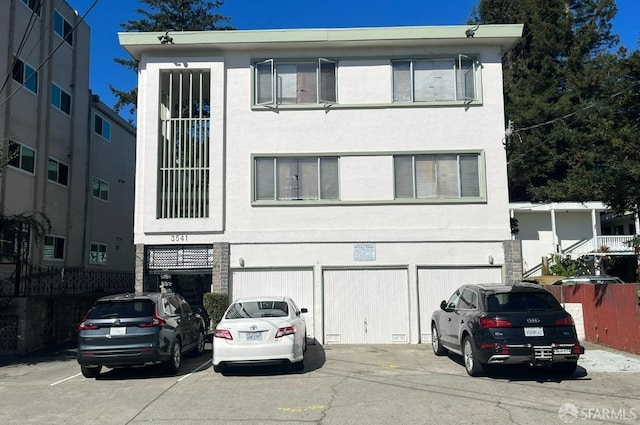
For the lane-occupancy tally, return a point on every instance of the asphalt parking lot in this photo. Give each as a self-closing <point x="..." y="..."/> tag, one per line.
<point x="341" y="384"/>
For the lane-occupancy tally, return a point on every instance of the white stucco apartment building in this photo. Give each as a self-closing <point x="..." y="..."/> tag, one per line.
<point x="360" y="171"/>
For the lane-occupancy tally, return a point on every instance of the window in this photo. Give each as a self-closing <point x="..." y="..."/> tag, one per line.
<point x="287" y="83"/>
<point x="34" y="5"/>
<point x="98" y="254"/>
<point x="442" y="176"/>
<point x="60" y="99"/>
<point x="24" y="74"/>
<point x="63" y="28"/>
<point x="100" y="189"/>
<point x="304" y="178"/>
<point x="21" y="156"/>
<point x="53" y="248"/>
<point x="185" y="126"/>
<point x="58" y="172"/>
<point x="435" y="80"/>
<point x="102" y="127"/>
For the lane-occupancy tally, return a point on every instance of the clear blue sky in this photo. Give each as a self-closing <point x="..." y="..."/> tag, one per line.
<point x="106" y="17"/>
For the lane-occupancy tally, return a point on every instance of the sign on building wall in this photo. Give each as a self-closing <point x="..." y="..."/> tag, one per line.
<point x="364" y="252"/>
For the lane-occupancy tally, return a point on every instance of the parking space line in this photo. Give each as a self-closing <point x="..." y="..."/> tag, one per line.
<point x="65" y="379"/>
<point x="195" y="370"/>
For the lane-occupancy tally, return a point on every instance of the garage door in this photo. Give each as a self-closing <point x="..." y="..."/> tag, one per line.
<point x="366" y="306"/>
<point x="294" y="283"/>
<point x="437" y="284"/>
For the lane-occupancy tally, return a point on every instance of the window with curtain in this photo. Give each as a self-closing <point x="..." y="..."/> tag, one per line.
<point x="437" y="176"/>
<point x="291" y="83"/>
<point x="296" y="178"/>
<point x="435" y="80"/>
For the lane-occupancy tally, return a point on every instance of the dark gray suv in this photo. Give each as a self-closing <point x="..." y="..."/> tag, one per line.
<point x="138" y="329"/>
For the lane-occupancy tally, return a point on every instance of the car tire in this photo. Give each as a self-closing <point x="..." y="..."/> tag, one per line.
<point x="217" y="369"/>
<point x="173" y="364"/>
<point x="200" y="344"/>
<point x="470" y="358"/>
<point x="304" y="342"/>
<point x="298" y="366"/>
<point x="90" y="371"/>
<point x="565" y="368"/>
<point x="438" y="349"/>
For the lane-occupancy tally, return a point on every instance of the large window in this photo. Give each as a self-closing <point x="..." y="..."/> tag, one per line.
<point x="22" y="157"/>
<point x="297" y="178"/>
<point x="58" y="172"/>
<point x="100" y="189"/>
<point x="185" y="120"/>
<point x="102" y="127"/>
<point x="441" y="176"/>
<point x="25" y="74"/>
<point x="63" y="28"/>
<point x="60" y="99"/>
<point x="435" y="80"/>
<point x="290" y="83"/>
<point x="98" y="253"/>
<point x="53" y="248"/>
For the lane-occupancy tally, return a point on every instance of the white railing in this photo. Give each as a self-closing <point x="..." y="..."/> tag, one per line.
<point x="615" y="244"/>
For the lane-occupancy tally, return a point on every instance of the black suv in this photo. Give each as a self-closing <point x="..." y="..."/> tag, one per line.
<point x="138" y="329"/>
<point x="503" y="324"/>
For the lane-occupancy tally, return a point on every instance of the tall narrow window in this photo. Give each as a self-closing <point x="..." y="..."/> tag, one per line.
<point x="53" y="248"/>
<point x="58" y="172"/>
<point x="296" y="178"/>
<point x="26" y="75"/>
<point x="102" y="127"/>
<point x="63" y="28"/>
<point x="60" y="99"/>
<point x="185" y="121"/>
<point x="100" y="189"/>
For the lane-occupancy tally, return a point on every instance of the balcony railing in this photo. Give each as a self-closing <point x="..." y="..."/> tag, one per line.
<point x="614" y="245"/>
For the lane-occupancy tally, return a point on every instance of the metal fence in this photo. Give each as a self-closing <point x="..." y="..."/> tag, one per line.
<point x="47" y="280"/>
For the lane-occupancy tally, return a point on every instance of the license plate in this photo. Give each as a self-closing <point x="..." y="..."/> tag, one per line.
<point x="562" y="351"/>
<point x="254" y="336"/>
<point x="118" y="330"/>
<point x="537" y="331"/>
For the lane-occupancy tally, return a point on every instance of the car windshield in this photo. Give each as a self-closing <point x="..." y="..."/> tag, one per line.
<point x="131" y="308"/>
<point x="257" y="309"/>
<point x="521" y="301"/>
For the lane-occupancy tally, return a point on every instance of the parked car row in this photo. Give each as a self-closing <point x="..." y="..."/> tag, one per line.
<point x="486" y="324"/>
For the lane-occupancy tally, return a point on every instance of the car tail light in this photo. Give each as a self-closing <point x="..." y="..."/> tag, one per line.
<point x="157" y="320"/>
<point x="490" y="322"/>
<point x="577" y="349"/>
<point x="223" y="333"/>
<point x="566" y="321"/>
<point x="84" y="326"/>
<point x="285" y="330"/>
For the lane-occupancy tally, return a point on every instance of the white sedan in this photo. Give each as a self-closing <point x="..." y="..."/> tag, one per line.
<point x="260" y="330"/>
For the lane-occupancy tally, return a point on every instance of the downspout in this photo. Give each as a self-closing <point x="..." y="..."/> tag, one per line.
<point x="93" y="99"/>
<point x="556" y="245"/>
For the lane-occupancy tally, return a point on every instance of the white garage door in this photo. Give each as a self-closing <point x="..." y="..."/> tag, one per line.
<point x="294" y="283"/>
<point x="437" y="284"/>
<point x="366" y="306"/>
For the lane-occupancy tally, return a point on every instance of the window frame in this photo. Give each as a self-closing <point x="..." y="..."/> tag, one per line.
<point x="322" y="184"/>
<point x="57" y="93"/>
<point x="459" y="77"/>
<point x="34" y="5"/>
<point x="101" y="183"/>
<point x="439" y="197"/>
<point x="97" y="260"/>
<point x="63" y="28"/>
<point x="57" y="171"/>
<point x="55" y="248"/>
<point x="25" y="78"/>
<point x="104" y="123"/>
<point x="20" y="157"/>
<point x="270" y="77"/>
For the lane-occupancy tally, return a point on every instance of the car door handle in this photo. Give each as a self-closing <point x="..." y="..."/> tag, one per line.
<point x="449" y="319"/>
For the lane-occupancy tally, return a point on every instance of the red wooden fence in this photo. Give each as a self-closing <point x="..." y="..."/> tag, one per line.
<point x="611" y="312"/>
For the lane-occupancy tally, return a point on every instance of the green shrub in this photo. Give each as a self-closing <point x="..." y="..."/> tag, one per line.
<point x="215" y="304"/>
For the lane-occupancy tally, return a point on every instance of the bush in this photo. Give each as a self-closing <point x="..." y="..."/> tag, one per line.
<point x="215" y="304"/>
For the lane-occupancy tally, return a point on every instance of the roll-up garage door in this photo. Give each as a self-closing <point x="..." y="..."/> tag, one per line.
<point x="294" y="283"/>
<point x="366" y="306"/>
<point x="437" y="284"/>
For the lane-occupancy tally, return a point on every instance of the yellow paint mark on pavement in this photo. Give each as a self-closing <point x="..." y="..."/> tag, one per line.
<point x="389" y="366"/>
<point x="301" y="409"/>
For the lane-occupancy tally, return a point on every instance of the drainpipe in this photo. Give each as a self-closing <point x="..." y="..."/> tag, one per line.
<point x="594" y="229"/>
<point x="556" y="245"/>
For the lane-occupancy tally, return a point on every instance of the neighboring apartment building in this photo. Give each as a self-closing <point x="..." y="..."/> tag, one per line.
<point x="360" y="171"/>
<point x="70" y="156"/>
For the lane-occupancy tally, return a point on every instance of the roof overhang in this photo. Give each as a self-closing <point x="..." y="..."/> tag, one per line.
<point x="139" y="43"/>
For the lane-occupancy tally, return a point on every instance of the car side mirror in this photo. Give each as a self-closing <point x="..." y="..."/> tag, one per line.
<point x="443" y="305"/>
<point x="304" y="310"/>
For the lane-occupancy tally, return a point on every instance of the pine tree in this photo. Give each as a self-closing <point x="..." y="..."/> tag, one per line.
<point x="168" y="15"/>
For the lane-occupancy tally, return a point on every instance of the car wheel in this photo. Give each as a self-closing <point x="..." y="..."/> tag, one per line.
<point x="298" y="365"/>
<point x="90" y="371"/>
<point x="217" y="369"/>
<point x="304" y="343"/>
<point x="200" y="345"/>
<point x="173" y="364"/>
<point x="565" y="368"/>
<point x="471" y="362"/>
<point x="438" y="349"/>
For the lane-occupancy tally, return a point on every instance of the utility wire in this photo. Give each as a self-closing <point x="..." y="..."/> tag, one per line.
<point x="45" y="60"/>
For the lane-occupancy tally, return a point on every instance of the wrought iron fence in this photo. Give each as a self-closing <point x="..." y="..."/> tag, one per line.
<point x="48" y="280"/>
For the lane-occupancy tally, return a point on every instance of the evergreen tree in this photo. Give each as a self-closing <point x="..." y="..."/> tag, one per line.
<point x="168" y="15"/>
